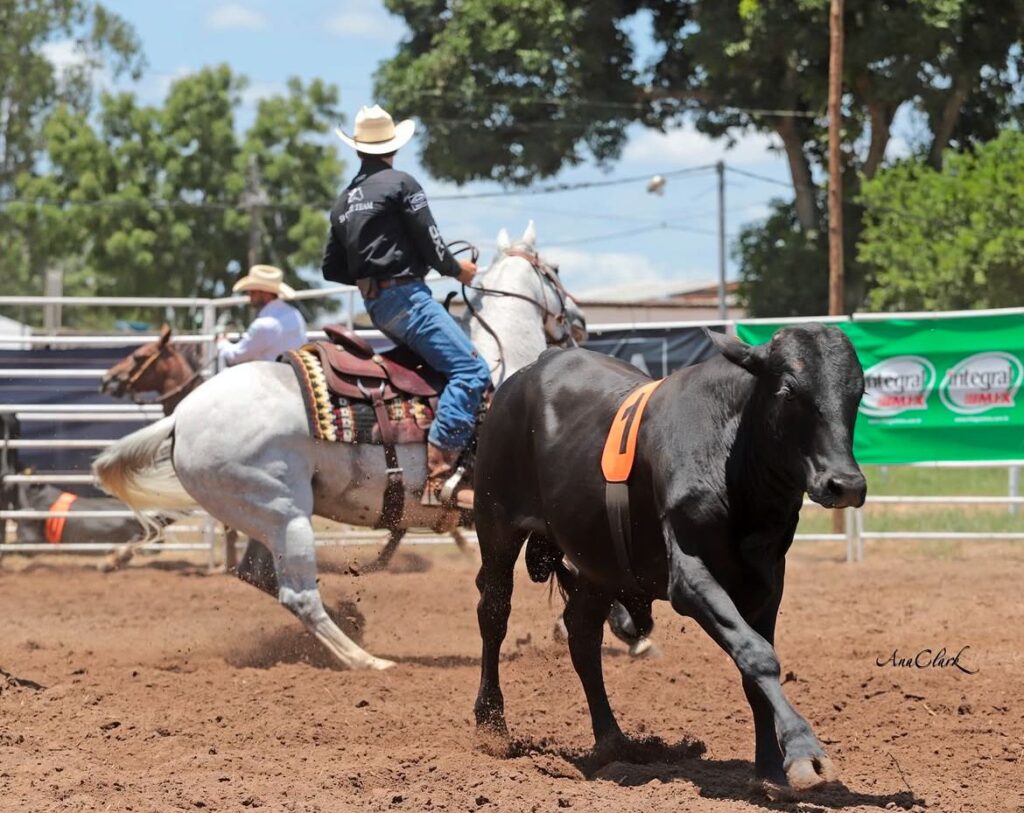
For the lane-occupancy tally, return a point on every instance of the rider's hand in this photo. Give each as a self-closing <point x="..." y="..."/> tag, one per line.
<point x="468" y="271"/>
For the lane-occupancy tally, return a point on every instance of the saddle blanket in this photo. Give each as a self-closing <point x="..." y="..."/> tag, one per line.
<point x="333" y="417"/>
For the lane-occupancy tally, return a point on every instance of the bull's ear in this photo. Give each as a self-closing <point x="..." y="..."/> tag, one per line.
<point x="165" y="334"/>
<point x="750" y="357"/>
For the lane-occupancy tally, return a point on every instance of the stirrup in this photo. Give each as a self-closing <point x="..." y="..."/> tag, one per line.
<point x="447" y="492"/>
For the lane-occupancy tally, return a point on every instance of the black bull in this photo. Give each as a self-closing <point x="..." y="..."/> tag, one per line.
<point x="725" y="452"/>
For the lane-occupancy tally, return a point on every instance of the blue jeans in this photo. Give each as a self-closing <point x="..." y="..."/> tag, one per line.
<point x="409" y="315"/>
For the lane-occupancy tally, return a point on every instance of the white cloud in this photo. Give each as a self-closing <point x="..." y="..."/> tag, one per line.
<point x="583" y="270"/>
<point x="63" y="54"/>
<point x="685" y="146"/>
<point x="235" y="16"/>
<point x="362" y="18"/>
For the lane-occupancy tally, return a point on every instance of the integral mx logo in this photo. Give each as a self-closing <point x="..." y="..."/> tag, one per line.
<point x="896" y="385"/>
<point x="982" y="382"/>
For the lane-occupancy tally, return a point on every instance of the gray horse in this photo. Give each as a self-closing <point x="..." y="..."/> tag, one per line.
<point x="242" y="449"/>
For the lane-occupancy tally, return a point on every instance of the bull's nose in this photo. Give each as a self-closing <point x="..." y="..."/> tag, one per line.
<point x="847" y="489"/>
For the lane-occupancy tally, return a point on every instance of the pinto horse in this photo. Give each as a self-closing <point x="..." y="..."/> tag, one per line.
<point x="240" y="445"/>
<point x="723" y="456"/>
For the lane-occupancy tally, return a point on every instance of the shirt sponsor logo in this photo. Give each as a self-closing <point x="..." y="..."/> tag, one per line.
<point x="355" y="195"/>
<point x="416" y="201"/>
<point x="896" y="385"/>
<point x="439" y="246"/>
<point x="982" y="382"/>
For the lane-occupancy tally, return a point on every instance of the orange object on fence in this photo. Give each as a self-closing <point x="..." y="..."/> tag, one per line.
<point x="620" y="445"/>
<point x="54" y="527"/>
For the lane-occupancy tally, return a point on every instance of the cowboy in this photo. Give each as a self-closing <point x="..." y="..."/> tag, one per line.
<point x="278" y="326"/>
<point x="383" y="239"/>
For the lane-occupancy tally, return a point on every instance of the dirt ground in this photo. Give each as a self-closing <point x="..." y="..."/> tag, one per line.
<point x="164" y="688"/>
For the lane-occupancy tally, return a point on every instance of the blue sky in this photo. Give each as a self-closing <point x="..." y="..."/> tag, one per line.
<point x="343" y="41"/>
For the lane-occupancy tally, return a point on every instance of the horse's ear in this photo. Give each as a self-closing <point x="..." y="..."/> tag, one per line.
<point x="530" y="235"/>
<point x="165" y="334"/>
<point x="751" y="358"/>
<point x="504" y="241"/>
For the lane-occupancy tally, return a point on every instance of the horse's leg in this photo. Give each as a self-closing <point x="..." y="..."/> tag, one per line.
<point x="230" y="552"/>
<point x="257" y="567"/>
<point x="297" y="590"/>
<point x="461" y="543"/>
<point x="499" y="549"/>
<point x="623" y="627"/>
<point x="585" y="614"/>
<point x="387" y="552"/>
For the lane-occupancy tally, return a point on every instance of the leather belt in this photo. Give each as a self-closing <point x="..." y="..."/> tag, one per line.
<point x="394" y="282"/>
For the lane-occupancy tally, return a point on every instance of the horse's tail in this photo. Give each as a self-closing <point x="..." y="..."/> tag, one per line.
<point x="138" y="471"/>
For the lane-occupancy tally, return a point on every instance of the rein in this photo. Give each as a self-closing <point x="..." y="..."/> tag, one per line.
<point x="187" y="383"/>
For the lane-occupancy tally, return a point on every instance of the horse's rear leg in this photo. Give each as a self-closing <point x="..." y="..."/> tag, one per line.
<point x="257" y="568"/>
<point x="499" y="549"/>
<point x="296" y="574"/>
<point x="585" y="614"/>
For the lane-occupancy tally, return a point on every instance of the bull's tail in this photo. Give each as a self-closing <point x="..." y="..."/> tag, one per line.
<point x="138" y="471"/>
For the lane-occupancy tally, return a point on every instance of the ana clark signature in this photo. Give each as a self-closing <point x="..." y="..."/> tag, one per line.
<point x="928" y="659"/>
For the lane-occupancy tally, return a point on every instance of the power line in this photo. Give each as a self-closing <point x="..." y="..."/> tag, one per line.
<point x="222" y="206"/>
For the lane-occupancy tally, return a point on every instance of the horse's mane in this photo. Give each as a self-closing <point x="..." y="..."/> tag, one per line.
<point x="192" y="353"/>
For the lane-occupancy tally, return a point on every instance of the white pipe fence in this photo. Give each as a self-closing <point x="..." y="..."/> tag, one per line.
<point x="854" y="534"/>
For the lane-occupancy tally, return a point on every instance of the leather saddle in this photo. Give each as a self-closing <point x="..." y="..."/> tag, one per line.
<point x="353" y="369"/>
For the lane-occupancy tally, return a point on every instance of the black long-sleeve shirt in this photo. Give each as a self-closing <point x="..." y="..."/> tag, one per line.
<point x="381" y="228"/>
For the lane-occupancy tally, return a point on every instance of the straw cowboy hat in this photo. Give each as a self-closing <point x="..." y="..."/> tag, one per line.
<point x="265" y="278"/>
<point x="376" y="132"/>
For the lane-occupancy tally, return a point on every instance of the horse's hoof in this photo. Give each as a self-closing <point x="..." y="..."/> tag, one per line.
<point x="811" y="772"/>
<point x="380" y="664"/>
<point x="645" y="648"/>
<point x="494" y="740"/>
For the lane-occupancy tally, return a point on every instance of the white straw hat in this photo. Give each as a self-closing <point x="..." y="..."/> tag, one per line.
<point x="265" y="278"/>
<point x="376" y="132"/>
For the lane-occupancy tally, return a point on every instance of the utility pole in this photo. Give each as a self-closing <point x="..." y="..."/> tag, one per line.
<point x="836" y="304"/>
<point x="254" y="199"/>
<point x="723" y="311"/>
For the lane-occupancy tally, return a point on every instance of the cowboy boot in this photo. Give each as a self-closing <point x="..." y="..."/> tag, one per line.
<point x="445" y="486"/>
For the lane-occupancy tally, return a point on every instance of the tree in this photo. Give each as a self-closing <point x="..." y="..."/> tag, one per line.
<point x="949" y="239"/>
<point x="144" y="201"/>
<point x="515" y="92"/>
<point x="32" y="86"/>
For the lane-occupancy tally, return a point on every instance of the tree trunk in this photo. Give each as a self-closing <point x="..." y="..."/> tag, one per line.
<point x="880" y="115"/>
<point x="800" y="171"/>
<point x="947" y="122"/>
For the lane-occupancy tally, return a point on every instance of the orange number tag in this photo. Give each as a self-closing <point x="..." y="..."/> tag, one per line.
<point x="620" y="445"/>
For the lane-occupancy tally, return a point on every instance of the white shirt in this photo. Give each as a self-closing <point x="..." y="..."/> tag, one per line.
<point x="277" y="328"/>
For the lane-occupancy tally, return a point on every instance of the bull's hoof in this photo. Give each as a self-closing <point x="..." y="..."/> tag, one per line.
<point x="811" y="772"/>
<point x="645" y="648"/>
<point x="493" y="739"/>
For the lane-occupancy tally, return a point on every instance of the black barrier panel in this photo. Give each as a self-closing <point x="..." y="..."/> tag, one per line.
<point x="656" y="351"/>
<point x="62" y="392"/>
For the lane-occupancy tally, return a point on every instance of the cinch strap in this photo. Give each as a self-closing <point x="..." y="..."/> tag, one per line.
<point x="53" y="528"/>
<point x="616" y="465"/>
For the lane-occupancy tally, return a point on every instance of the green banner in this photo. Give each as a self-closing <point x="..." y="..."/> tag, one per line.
<point x="942" y="389"/>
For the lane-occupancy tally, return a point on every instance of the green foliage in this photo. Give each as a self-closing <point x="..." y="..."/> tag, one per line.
<point x="161" y="201"/>
<point x="784" y="270"/>
<point x="948" y="239"/>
